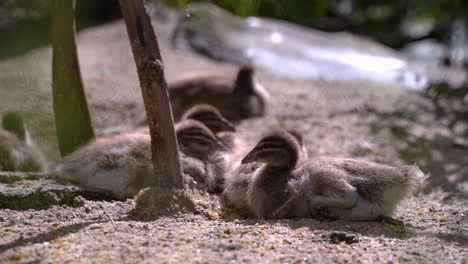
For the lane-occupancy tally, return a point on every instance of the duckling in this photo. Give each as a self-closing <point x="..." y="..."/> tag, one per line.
<point x="239" y="175"/>
<point x="17" y="151"/>
<point x="211" y="117"/>
<point x="300" y="140"/>
<point x="122" y="164"/>
<point x="336" y="188"/>
<point x="241" y="99"/>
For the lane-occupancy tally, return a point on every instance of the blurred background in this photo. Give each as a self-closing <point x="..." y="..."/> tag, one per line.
<point x="25" y="24"/>
<point x="393" y="23"/>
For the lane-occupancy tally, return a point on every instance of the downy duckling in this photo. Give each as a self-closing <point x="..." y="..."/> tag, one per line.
<point x="223" y="129"/>
<point x="241" y="99"/>
<point x="203" y="155"/>
<point x="122" y="164"/>
<point x="212" y="118"/>
<point x="17" y="151"/>
<point x="335" y="188"/>
<point x="239" y="175"/>
<point x="208" y="115"/>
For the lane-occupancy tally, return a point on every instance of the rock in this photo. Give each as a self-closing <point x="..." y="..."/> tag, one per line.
<point x="42" y="194"/>
<point x="14" y="176"/>
<point x="338" y="237"/>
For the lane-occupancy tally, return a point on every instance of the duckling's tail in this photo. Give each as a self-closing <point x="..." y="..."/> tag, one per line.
<point x="414" y="178"/>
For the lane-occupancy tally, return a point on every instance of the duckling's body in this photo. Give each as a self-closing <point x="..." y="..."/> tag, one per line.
<point x="122" y="164"/>
<point x="17" y="151"/>
<point x="345" y="189"/>
<point x="237" y="100"/>
<point x="236" y="184"/>
<point x="212" y="118"/>
<point x="203" y="156"/>
<point x="239" y="176"/>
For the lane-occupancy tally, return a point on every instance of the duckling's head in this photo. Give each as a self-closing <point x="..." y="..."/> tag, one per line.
<point x="278" y="149"/>
<point x="244" y="79"/>
<point x="211" y="117"/>
<point x="249" y="97"/>
<point x="300" y="140"/>
<point x="13" y="122"/>
<point x="195" y="139"/>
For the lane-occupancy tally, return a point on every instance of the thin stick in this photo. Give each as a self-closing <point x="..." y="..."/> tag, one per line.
<point x="155" y="95"/>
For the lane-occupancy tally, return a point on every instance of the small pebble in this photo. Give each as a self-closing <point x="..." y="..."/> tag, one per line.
<point x="95" y="226"/>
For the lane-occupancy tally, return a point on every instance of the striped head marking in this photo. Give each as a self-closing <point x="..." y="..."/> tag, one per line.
<point x="278" y="149"/>
<point x="196" y="139"/>
<point x="211" y="117"/>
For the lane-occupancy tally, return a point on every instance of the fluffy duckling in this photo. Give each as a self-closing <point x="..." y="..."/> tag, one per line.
<point x="208" y="115"/>
<point x="17" y="151"/>
<point x="122" y="164"/>
<point x="328" y="187"/>
<point x="241" y="99"/>
<point x="211" y="117"/>
<point x="239" y="175"/>
<point x="203" y="155"/>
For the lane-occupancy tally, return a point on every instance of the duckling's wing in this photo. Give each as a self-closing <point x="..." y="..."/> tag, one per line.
<point x="333" y="188"/>
<point x="347" y="201"/>
<point x="286" y="207"/>
<point x="321" y="186"/>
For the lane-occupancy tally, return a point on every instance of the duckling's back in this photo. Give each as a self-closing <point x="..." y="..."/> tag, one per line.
<point x="16" y="155"/>
<point x="120" y="164"/>
<point x="196" y="89"/>
<point x="10" y="157"/>
<point x="237" y="98"/>
<point x="380" y="187"/>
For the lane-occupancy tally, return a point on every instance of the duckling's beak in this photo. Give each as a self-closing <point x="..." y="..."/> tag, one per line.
<point x="228" y="126"/>
<point x="222" y="145"/>
<point x="251" y="157"/>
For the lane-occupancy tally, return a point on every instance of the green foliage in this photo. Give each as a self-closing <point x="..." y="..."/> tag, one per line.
<point x="302" y="11"/>
<point x="381" y="20"/>
<point x="293" y="10"/>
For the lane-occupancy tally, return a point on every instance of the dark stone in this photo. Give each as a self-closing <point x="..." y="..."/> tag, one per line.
<point x="338" y="237"/>
<point x="42" y="194"/>
<point x="391" y="221"/>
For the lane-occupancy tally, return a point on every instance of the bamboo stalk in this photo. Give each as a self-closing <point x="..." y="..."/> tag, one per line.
<point x="72" y="120"/>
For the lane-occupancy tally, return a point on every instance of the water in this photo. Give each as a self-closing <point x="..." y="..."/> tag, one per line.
<point x="292" y="51"/>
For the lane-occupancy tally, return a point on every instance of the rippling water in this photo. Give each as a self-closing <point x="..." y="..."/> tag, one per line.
<point x="290" y="50"/>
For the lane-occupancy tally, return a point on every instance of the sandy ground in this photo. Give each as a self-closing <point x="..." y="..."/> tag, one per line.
<point x="106" y="232"/>
<point x="379" y="123"/>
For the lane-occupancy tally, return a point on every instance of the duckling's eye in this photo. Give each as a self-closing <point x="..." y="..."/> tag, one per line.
<point x="270" y="145"/>
<point x="207" y="118"/>
<point x="201" y="146"/>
